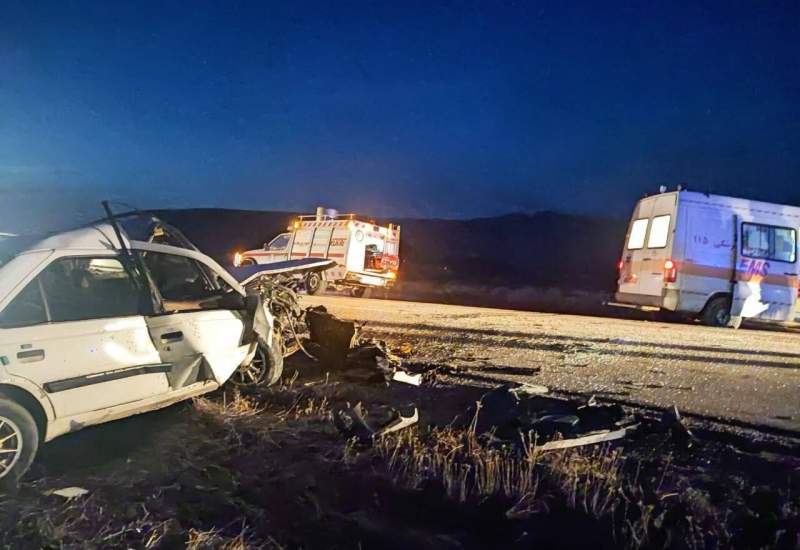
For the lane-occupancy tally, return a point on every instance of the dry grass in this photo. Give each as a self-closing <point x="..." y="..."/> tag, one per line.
<point x="589" y="480"/>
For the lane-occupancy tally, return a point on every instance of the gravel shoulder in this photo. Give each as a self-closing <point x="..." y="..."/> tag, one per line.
<point x="747" y="376"/>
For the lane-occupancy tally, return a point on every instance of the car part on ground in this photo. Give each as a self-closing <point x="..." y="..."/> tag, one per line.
<point x="351" y="423"/>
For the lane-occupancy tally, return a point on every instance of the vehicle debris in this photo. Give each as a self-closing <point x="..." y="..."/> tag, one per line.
<point x="331" y="338"/>
<point x="674" y="422"/>
<point x="507" y="411"/>
<point x="351" y="423"/>
<point x="336" y="344"/>
<point x="69" y="493"/>
<point x="402" y="376"/>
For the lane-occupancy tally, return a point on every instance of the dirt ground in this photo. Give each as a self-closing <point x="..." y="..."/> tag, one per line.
<point x="747" y="376"/>
<point x="266" y="468"/>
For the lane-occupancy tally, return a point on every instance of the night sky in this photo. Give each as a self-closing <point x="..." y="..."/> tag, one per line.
<point x="446" y="109"/>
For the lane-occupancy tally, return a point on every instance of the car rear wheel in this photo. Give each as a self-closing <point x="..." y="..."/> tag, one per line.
<point x="717" y="312"/>
<point x="313" y="283"/>
<point x="19" y="441"/>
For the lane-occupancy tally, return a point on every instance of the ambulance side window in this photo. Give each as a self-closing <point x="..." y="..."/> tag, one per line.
<point x="638" y="232"/>
<point x="768" y="242"/>
<point x="280" y="242"/>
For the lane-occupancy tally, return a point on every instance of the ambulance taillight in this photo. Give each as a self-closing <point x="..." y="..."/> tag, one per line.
<point x="670" y="271"/>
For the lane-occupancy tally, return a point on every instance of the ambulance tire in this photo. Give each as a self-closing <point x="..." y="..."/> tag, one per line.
<point x="717" y="312"/>
<point x="314" y="283"/>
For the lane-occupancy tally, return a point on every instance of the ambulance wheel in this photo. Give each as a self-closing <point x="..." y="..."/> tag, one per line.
<point x="313" y="283"/>
<point x="360" y="292"/>
<point x="717" y="312"/>
<point x="19" y="441"/>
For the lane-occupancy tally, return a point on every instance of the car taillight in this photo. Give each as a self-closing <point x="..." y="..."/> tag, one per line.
<point x="670" y="271"/>
<point x="620" y="265"/>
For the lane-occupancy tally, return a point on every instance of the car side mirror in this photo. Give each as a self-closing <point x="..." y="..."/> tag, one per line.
<point x="232" y="300"/>
<point x="266" y="246"/>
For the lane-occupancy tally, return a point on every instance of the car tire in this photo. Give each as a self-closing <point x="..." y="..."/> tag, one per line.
<point x="18" y="431"/>
<point x="717" y="312"/>
<point x="313" y="283"/>
<point x="247" y="261"/>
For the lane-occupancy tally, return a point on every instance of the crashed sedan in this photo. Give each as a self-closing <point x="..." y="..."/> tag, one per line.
<point x="97" y="325"/>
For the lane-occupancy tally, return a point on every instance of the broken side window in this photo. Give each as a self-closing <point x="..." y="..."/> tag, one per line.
<point x="183" y="284"/>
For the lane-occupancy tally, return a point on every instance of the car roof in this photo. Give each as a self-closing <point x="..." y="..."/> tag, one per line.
<point x="99" y="237"/>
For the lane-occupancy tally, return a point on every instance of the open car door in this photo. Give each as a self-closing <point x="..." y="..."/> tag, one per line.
<point x="202" y="337"/>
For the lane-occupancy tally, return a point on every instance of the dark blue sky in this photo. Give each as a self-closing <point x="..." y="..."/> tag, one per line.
<point x="446" y="109"/>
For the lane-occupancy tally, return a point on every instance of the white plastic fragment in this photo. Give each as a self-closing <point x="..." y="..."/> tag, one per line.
<point x="69" y="493"/>
<point x="585" y="440"/>
<point x="402" y="376"/>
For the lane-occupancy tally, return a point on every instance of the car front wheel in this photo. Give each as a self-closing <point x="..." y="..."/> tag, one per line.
<point x="19" y="441"/>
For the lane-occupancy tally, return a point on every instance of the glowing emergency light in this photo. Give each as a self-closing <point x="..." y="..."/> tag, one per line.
<point x="670" y="271"/>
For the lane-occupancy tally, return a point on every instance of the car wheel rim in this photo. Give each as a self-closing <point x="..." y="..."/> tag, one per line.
<point x="254" y="372"/>
<point x="722" y="317"/>
<point x="10" y="445"/>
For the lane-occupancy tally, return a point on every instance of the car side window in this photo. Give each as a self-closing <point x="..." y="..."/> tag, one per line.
<point x="26" y="309"/>
<point x="75" y="289"/>
<point x="280" y="242"/>
<point x="179" y="278"/>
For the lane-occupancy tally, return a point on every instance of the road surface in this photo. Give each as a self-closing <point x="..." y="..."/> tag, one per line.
<point x="748" y="376"/>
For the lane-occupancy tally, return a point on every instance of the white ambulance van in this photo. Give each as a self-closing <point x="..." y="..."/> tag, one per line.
<point x="367" y="255"/>
<point x="716" y="258"/>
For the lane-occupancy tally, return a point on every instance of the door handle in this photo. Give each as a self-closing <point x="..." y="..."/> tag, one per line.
<point x="169" y="337"/>
<point x="30" y="356"/>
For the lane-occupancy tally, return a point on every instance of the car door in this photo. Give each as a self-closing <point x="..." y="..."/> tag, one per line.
<point x="77" y="331"/>
<point x="196" y="332"/>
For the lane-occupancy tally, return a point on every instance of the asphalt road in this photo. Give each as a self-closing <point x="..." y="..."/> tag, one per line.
<point x="746" y="375"/>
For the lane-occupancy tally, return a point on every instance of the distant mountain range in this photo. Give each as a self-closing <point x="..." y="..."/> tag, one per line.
<point x="546" y="249"/>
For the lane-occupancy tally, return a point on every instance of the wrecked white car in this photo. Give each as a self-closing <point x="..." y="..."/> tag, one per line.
<point x="96" y="325"/>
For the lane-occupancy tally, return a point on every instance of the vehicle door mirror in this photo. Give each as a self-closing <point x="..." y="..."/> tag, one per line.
<point x="232" y="300"/>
